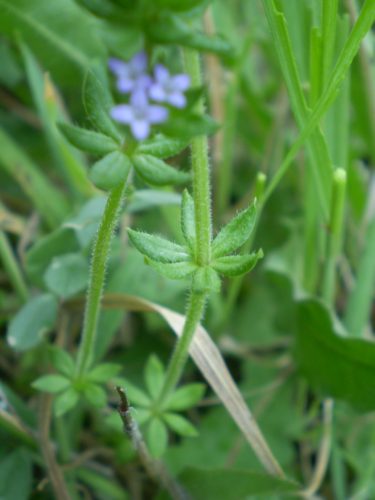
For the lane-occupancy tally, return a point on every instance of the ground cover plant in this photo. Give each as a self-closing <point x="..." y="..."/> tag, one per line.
<point x="187" y="243"/>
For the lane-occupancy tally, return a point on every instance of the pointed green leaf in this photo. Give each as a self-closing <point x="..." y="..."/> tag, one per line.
<point x="157" y="248"/>
<point x="32" y="322"/>
<point x="98" y="102"/>
<point x="61" y="361"/>
<point x="95" y="395"/>
<point x="180" y="425"/>
<point x="154" y="376"/>
<point x="235" y="265"/>
<point x="88" y="140"/>
<point x="51" y="383"/>
<point x="65" y="401"/>
<point x="157" y="438"/>
<point x="185" y="397"/>
<point x="175" y="270"/>
<point x="158" y="173"/>
<point x="104" y="372"/>
<point x="161" y="147"/>
<point x="135" y="395"/>
<point x="141" y="416"/>
<point x="188" y="220"/>
<point x="206" y="280"/>
<point x="110" y="171"/>
<point x="235" y="233"/>
<point x="67" y="275"/>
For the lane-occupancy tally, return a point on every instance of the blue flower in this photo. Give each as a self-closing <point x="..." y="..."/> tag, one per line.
<point x="169" y="89"/>
<point x="131" y="75"/>
<point x="139" y="114"/>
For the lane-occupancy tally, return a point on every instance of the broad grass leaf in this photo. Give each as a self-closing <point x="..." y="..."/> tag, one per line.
<point x="16" y="475"/>
<point x="228" y="484"/>
<point x="340" y="367"/>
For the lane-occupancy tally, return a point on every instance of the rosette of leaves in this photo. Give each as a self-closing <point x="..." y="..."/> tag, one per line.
<point x="158" y="420"/>
<point x="127" y="25"/>
<point x="179" y="261"/>
<point x="117" y="153"/>
<point x="68" y="389"/>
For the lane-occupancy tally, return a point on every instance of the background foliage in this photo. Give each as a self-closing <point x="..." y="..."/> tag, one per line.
<point x="289" y="86"/>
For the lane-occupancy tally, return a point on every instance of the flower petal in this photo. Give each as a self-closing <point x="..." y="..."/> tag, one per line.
<point x="117" y="66"/>
<point x="139" y="62"/>
<point x="161" y="74"/>
<point x="157" y="114"/>
<point x="138" y="99"/>
<point x="140" y="129"/>
<point x="157" y="92"/>
<point x="177" y="99"/>
<point x="125" y="84"/>
<point x="181" y="82"/>
<point x="122" y="113"/>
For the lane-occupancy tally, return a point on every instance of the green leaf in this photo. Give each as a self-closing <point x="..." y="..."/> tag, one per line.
<point x="98" y="103"/>
<point x="185" y="397"/>
<point x="188" y="220"/>
<point x="32" y="322"/>
<point x="180" y="425"/>
<point x="158" y="173"/>
<point x="141" y="416"/>
<point x="67" y="275"/>
<point x="228" y="484"/>
<point x="16" y="475"/>
<point x="235" y="233"/>
<point x="185" y="127"/>
<point x="110" y="171"/>
<point x="62" y="361"/>
<point x="51" y="383"/>
<point x="154" y="376"/>
<point x="172" y="29"/>
<point x="206" y="280"/>
<point x="66" y="43"/>
<point x="235" y="265"/>
<point x="144" y="199"/>
<point x="340" y="367"/>
<point x="61" y="241"/>
<point x="174" y="271"/>
<point x="161" y="147"/>
<point x="123" y="43"/>
<point x="135" y="395"/>
<point x="104" y="372"/>
<point x="50" y="110"/>
<point x="157" y="438"/>
<point x="65" y="401"/>
<point x="47" y="199"/>
<point x="95" y="395"/>
<point x="179" y="5"/>
<point x="88" y="140"/>
<point x="157" y="248"/>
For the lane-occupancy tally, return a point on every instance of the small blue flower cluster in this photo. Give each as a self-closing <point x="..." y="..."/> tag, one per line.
<point x="132" y="78"/>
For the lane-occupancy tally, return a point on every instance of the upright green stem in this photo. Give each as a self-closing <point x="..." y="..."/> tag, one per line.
<point x="201" y="171"/>
<point x="202" y="205"/>
<point x="335" y="234"/>
<point x="97" y="275"/>
<point x="11" y="267"/>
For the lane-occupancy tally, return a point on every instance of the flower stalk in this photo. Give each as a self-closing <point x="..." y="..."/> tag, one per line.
<point x="203" y="227"/>
<point x="97" y="276"/>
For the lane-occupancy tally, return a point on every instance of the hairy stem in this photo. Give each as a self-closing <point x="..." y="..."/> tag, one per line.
<point x="180" y="354"/>
<point x="97" y="275"/>
<point x="201" y="171"/>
